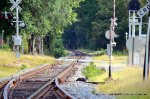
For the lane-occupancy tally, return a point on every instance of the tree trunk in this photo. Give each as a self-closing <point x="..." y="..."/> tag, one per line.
<point x="33" y="44"/>
<point x="42" y="44"/>
<point x="48" y="43"/>
<point x="29" y="46"/>
<point x="39" y="45"/>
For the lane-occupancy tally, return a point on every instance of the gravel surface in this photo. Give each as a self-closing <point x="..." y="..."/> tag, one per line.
<point x="83" y="90"/>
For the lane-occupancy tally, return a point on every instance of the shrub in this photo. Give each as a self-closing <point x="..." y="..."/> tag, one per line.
<point x="101" y="52"/>
<point x="120" y="53"/>
<point x="58" y="48"/>
<point x="92" y="71"/>
<point x="23" y="66"/>
<point x="25" y="45"/>
<point x="94" y="92"/>
<point x="6" y="47"/>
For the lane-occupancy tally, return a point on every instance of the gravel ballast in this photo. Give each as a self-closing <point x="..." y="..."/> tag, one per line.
<point x="80" y="89"/>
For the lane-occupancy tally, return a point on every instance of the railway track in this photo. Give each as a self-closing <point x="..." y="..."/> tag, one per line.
<point x="42" y="83"/>
<point x="2" y="86"/>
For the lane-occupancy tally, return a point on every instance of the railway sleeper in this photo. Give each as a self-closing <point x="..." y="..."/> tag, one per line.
<point x="44" y="79"/>
<point x="22" y="94"/>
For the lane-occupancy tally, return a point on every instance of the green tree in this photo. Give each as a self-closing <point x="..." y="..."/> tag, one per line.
<point x="47" y="17"/>
<point x="94" y="20"/>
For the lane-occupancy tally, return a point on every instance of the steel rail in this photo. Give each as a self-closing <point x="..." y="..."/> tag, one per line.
<point x="18" y="79"/>
<point x="61" y="77"/>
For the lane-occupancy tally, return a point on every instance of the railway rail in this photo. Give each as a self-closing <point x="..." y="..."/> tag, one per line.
<point x="42" y="83"/>
<point x="2" y="85"/>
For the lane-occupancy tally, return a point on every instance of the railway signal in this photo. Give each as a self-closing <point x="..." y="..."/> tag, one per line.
<point x="143" y="11"/>
<point x="2" y="16"/>
<point x="7" y="18"/>
<point x="22" y="25"/>
<point x="134" y="5"/>
<point x="15" y="5"/>
<point x="10" y="16"/>
<point x="6" y="15"/>
<point x="17" y="37"/>
<point x="110" y="34"/>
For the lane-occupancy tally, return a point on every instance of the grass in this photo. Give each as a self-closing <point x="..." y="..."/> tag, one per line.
<point x="127" y="81"/>
<point x="10" y="65"/>
<point x="92" y="52"/>
<point x="115" y="59"/>
<point x="85" y="50"/>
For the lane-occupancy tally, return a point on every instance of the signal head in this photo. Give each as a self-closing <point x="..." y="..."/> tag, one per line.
<point x="10" y="16"/>
<point x="2" y="16"/>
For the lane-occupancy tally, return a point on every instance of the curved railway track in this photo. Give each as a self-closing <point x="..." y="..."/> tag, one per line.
<point x="42" y="83"/>
<point x="2" y="86"/>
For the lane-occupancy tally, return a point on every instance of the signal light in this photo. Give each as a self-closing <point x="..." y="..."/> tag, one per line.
<point x="2" y="16"/>
<point x="134" y="5"/>
<point x="6" y="15"/>
<point x="22" y="25"/>
<point x="10" y="16"/>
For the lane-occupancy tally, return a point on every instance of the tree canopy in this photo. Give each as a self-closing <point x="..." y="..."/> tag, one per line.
<point x="94" y="20"/>
<point x="81" y="23"/>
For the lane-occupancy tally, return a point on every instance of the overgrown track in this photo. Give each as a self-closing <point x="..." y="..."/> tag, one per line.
<point x="42" y="83"/>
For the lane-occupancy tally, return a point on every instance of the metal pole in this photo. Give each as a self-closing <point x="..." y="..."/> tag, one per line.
<point x="114" y="10"/>
<point x="140" y="27"/>
<point x="109" y="75"/>
<point x="133" y="24"/>
<point x="2" y="38"/>
<point x="130" y="24"/>
<point x="146" y="61"/>
<point x="112" y="28"/>
<point x="17" y="20"/>
<point x="17" y="28"/>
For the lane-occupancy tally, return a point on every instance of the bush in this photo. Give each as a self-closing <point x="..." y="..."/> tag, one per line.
<point x="5" y="47"/>
<point x="101" y="52"/>
<point x="120" y="53"/>
<point x="58" y="48"/>
<point x="23" y="66"/>
<point x="25" y="44"/>
<point x="92" y="71"/>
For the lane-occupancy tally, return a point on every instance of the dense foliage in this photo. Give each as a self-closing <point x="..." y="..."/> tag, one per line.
<point x="94" y="20"/>
<point x="81" y="23"/>
<point x="45" y="19"/>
